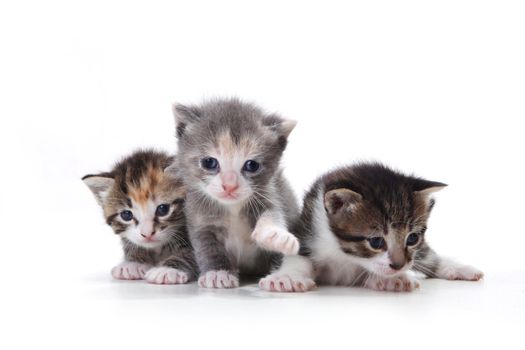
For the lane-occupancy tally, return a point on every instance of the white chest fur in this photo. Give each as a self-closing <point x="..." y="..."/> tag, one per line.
<point x="238" y="242"/>
<point x="331" y="264"/>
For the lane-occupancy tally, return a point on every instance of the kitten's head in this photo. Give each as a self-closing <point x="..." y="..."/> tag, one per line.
<point x="142" y="201"/>
<point x="229" y="149"/>
<point x="379" y="215"/>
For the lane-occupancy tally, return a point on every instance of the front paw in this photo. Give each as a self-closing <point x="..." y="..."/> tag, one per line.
<point x="166" y="275"/>
<point x="455" y="272"/>
<point x="401" y="283"/>
<point x="277" y="239"/>
<point x="286" y="283"/>
<point x="129" y="271"/>
<point x="218" y="279"/>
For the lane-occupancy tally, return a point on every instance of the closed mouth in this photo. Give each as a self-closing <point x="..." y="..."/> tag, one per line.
<point x="225" y="195"/>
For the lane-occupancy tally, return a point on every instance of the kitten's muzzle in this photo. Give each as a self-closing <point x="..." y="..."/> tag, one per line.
<point x="396" y="267"/>
<point x="148" y="236"/>
<point x="230" y="182"/>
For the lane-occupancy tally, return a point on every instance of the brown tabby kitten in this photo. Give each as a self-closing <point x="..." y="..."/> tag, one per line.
<point x="365" y="225"/>
<point x="143" y="204"/>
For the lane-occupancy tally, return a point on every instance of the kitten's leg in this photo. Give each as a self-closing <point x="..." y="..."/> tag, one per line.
<point x="400" y="283"/>
<point x="271" y="233"/>
<point x="294" y="275"/>
<point x="130" y="270"/>
<point x="179" y="268"/>
<point x="137" y="261"/>
<point x="216" y="269"/>
<point x="434" y="266"/>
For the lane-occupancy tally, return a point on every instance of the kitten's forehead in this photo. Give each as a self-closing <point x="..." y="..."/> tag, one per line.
<point x="144" y="187"/>
<point x="376" y="217"/>
<point x="228" y="146"/>
<point x="229" y="123"/>
<point x="150" y="184"/>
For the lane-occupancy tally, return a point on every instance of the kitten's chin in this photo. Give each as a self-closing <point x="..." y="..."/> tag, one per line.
<point x="386" y="271"/>
<point x="228" y="198"/>
<point x="151" y="244"/>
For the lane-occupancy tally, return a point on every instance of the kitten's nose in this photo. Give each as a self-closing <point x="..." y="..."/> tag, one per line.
<point x="229" y="181"/>
<point x="151" y="234"/>
<point x="230" y="188"/>
<point x="396" y="266"/>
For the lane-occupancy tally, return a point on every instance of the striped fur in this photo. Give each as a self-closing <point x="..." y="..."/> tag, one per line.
<point x="346" y="210"/>
<point x="140" y="184"/>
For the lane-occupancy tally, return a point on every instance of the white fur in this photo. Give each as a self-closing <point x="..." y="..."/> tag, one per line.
<point x="231" y="163"/>
<point x="399" y="283"/>
<point x="128" y="270"/>
<point x="271" y="233"/>
<point x="166" y="275"/>
<point x="218" y="279"/>
<point x="276" y="238"/>
<point x="451" y="270"/>
<point x="145" y="214"/>
<point x="238" y="242"/>
<point x="333" y="265"/>
<point x="294" y="275"/>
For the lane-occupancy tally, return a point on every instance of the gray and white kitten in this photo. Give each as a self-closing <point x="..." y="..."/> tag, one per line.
<point x="143" y="204"/>
<point x="239" y="206"/>
<point x="365" y="225"/>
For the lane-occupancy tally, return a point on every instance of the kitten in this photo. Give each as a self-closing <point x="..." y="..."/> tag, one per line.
<point x="143" y="204"/>
<point x="238" y="205"/>
<point x="365" y="225"/>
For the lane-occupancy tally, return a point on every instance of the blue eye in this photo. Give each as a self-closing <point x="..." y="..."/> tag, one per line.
<point x="210" y="163"/>
<point x="162" y="210"/>
<point x="376" y="242"/>
<point x="126" y="215"/>
<point x="412" y="239"/>
<point x="251" y="166"/>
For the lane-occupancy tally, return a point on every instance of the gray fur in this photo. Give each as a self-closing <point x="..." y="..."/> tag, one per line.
<point x="199" y="128"/>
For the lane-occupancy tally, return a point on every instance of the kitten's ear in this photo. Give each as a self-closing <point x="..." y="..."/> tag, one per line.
<point x="426" y="188"/>
<point x="184" y="115"/>
<point x="99" y="185"/>
<point x="171" y="169"/>
<point x="340" y="198"/>
<point x="283" y="127"/>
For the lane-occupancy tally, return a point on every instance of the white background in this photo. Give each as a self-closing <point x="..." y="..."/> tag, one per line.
<point x="435" y="88"/>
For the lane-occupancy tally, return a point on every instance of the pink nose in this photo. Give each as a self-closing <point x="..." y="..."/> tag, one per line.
<point x="229" y="182"/>
<point x="229" y="187"/>
<point x="148" y="235"/>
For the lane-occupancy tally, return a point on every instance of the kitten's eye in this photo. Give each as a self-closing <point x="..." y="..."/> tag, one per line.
<point x="412" y="239"/>
<point x="126" y="215"/>
<point x="162" y="210"/>
<point x="376" y="242"/>
<point x="210" y="163"/>
<point x="251" y="166"/>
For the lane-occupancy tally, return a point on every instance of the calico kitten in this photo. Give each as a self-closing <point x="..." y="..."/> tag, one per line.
<point x="238" y="204"/>
<point x="143" y="204"/>
<point x="365" y="225"/>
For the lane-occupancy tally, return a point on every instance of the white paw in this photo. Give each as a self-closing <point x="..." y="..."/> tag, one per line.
<point x="166" y="275"/>
<point x="218" y="279"/>
<point x="401" y="283"/>
<point x="277" y="239"/>
<point x="461" y="272"/>
<point x="286" y="283"/>
<point x="129" y="271"/>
